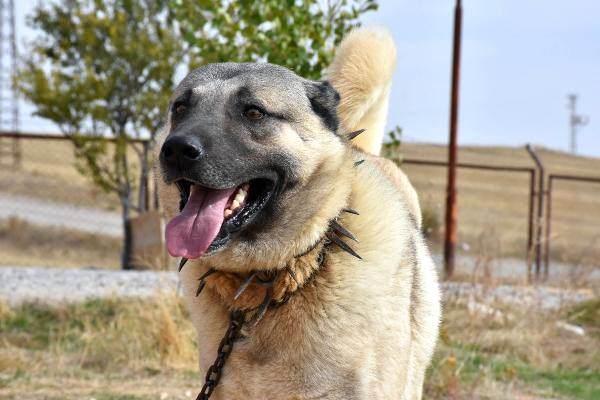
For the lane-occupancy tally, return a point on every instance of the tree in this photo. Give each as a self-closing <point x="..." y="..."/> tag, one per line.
<point x="298" y="34"/>
<point x="103" y="70"/>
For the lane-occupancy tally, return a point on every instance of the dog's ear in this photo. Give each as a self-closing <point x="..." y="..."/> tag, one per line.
<point x="324" y="100"/>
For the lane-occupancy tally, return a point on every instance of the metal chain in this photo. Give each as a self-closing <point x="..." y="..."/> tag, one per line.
<point x="236" y="321"/>
<point x="213" y="375"/>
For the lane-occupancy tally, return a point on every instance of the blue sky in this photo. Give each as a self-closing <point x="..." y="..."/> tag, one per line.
<point x="520" y="60"/>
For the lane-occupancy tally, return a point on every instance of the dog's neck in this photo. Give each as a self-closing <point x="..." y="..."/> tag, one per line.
<point x="259" y="289"/>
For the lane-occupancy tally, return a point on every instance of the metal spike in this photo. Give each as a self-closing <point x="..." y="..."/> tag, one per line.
<point x="200" y="288"/>
<point x="207" y="273"/>
<point x="356" y="164"/>
<point x="262" y="309"/>
<point x="244" y="285"/>
<point x="354" y="134"/>
<point x="202" y="280"/>
<point x="342" y="245"/>
<point x="293" y="275"/>
<point x="343" y="231"/>
<point x="182" y="263"/>
<point x="350" y="211"/>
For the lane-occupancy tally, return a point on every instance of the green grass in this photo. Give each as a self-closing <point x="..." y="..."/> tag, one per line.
<point x="578" y="384"/>
<point x="472" y="366"/>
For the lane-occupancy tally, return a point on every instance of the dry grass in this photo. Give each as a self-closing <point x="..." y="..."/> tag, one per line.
<point x="49" y="172"/>
<point x="138" y="349"/>
<point x="24" y="244"/>
<point x="107" y="349"/>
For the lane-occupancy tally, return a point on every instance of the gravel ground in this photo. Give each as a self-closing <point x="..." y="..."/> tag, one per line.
<point x="52" y="285"/>
<point x="18" y="285"/>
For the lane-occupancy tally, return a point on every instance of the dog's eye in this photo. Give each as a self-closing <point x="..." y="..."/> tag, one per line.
<point x="253" y="114"/>
<point x="179" y="109"/>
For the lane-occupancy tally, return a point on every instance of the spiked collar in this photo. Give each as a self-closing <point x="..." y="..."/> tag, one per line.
<point x="254" y="292"/>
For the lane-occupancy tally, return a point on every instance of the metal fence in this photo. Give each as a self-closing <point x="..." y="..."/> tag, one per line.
<point x="579" y="243"/>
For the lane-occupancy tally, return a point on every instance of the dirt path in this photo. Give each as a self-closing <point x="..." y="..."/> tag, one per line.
<point x="61" y="215"/>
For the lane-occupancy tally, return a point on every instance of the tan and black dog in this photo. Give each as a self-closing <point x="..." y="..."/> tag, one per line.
<point x="310" y="239"/>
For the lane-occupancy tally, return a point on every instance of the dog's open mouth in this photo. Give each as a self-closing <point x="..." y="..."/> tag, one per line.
<point x="208" y="217"/>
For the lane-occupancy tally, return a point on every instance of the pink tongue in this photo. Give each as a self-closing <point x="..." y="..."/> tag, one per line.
<point x="191" y="232"/>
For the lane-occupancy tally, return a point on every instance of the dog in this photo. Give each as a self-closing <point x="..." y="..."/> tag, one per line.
<point x="296" y="239"/>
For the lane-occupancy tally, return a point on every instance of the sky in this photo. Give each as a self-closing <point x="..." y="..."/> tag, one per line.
<point x="520" y="59"/>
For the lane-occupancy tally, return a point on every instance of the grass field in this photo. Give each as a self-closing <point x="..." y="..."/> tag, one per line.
<point x="145" y="349"/>
<point x="25" y="244"/>
<point x="492" y="205"/>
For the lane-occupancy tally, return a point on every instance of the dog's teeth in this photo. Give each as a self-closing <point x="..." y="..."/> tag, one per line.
<point x="241" y="195"/>
<point x="235" y="204"/>
<point x="228" y="213"/>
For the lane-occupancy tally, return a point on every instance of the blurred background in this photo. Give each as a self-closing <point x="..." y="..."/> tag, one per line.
<point x="84" y="86"/>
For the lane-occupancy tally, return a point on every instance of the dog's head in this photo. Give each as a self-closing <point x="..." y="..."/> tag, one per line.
<point x="249" y="160"/>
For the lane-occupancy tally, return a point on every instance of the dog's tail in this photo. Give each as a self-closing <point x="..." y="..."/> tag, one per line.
<point x="361" y="72"/>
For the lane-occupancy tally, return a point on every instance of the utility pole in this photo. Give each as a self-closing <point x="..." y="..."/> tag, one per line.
<point x="9" y="104"/>
<point x="575" y="121"/>
<point x="451" y="208"/>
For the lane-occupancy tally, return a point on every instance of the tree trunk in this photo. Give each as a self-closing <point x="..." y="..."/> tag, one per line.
<point x="126" y="255"/>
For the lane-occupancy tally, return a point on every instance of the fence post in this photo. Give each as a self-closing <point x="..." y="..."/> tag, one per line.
<point x="529" y="254"/>
<point x="540" y="210"/>
<point x="548" y="228"/>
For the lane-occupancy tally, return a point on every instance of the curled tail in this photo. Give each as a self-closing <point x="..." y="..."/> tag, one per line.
<point x="361" y="72"/>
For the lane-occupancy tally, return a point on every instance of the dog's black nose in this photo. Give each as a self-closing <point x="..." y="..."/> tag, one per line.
<point x="181" y="149"/>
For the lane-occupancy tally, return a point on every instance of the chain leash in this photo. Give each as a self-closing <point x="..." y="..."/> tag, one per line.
<point x="213" y="375"/>
<point x="237" y="317"/>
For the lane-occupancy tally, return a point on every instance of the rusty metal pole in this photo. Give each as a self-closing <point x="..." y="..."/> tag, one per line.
<point x="548" y="228"/>
<point x="451" y="208"/>
<point x="540" y="210"/>
<point x="529" y="257"/>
